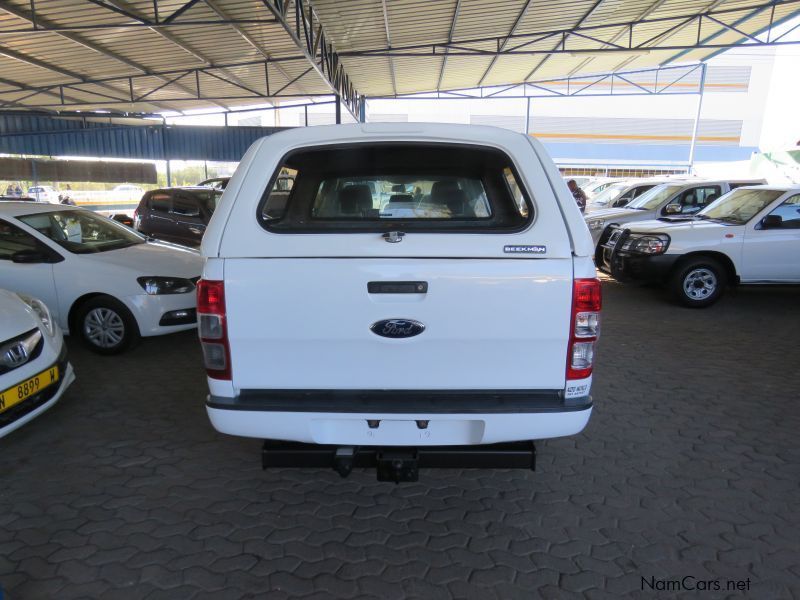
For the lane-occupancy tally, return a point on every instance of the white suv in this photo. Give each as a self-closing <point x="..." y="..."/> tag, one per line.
<point x="420" y="285"/>
<point x="749" y="236"/>
<point x="668" y="199"/>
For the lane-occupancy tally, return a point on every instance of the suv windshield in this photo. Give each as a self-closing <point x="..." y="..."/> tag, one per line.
<point x="82" y="231"/>
<point x="741" y="205"/>
<point x="655" y="197"/>
<point x="609" y="194"/>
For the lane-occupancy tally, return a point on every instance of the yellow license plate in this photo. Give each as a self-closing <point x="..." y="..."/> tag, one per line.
<point x="24" y="390"/>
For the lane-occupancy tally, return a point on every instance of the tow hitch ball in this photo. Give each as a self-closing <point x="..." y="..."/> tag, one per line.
<point x="398" y="466"/>
<point x="343" y="460"/>
<point x="391" y="465"/>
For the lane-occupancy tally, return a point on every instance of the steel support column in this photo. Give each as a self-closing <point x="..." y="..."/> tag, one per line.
<point x="697" y="116"/>
<point x="527" y="116"/>
<point x="164" y="149"/>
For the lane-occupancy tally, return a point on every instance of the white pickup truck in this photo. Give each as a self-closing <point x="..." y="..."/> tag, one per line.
<point x="421" y="287"/>
<point x="749" y="236"/>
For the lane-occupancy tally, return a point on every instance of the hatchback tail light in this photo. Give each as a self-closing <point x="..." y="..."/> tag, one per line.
<point x="584" y="327"/>
<point x="213" y="328"/>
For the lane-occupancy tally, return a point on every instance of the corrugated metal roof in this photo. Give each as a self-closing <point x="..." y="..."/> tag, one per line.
<point x="162" y="55"/>
<point x="74" y="136"/>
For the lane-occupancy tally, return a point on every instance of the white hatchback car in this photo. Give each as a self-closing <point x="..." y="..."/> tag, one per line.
<point x="34" y="371"/>
<point x="103" y="281"/>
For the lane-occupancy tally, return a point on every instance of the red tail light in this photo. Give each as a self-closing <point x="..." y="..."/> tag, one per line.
<point x="213" y="328"/>
<point x="584" y="327"/>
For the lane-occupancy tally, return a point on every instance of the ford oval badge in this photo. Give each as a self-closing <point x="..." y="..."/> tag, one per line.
<point x="397" y="328"/>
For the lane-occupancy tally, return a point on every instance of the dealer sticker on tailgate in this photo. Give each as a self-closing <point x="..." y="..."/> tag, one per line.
<point x="527" y="249"/>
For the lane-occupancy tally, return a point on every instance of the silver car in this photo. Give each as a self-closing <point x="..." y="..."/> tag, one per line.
<point x="667" y="199"/>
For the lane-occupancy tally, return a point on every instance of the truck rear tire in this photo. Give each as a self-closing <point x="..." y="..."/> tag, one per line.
<point x="698" y="283"/>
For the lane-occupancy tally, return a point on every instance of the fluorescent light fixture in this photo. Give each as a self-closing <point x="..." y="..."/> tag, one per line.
<point x="633" y="52"/>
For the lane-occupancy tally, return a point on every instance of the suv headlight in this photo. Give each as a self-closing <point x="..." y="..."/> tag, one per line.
<point x="165" y="285"/>
<point x="41" y="310"/>
<point x="595" y="225"/>
<point x="655" y="243"/>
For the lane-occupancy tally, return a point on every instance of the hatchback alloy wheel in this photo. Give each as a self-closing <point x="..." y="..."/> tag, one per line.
<point x="104" y="327"/>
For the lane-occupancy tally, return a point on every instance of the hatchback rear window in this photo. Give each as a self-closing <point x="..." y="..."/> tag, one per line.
<point x="406" y="187"/>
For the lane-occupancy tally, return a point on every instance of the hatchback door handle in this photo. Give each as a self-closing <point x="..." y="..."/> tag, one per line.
<point x="397" y="287"/>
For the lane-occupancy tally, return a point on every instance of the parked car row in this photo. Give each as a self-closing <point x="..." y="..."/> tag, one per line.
<point x="103" y="282"/>
<point x="674" y="197"/>
<point x="700" y="242"/>
<point x="68" y="269"/>
<point x="75" y="271"/>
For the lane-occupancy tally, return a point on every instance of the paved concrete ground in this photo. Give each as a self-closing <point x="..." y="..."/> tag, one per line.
<point x="689" y="467"/>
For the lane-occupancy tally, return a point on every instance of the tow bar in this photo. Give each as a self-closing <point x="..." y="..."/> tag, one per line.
<point x="398" y="463"/>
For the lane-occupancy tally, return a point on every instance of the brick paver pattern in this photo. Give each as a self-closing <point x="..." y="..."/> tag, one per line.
<point x="689" y="466"/>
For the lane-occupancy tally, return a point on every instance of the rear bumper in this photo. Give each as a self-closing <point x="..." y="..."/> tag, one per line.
<point x="401" y="401"/>
<point x="408" y="418"/>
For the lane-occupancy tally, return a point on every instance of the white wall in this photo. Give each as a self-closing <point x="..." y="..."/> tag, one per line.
<point x="765" y="90"/>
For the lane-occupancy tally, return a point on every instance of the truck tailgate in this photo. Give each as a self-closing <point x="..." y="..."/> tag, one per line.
<point x="304" y="323"/>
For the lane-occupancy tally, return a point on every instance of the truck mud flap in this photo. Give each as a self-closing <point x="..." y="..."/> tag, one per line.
<point x="398" y="463"/>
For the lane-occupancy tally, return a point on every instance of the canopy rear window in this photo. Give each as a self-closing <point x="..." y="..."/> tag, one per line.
<point x="405" y="187"/>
